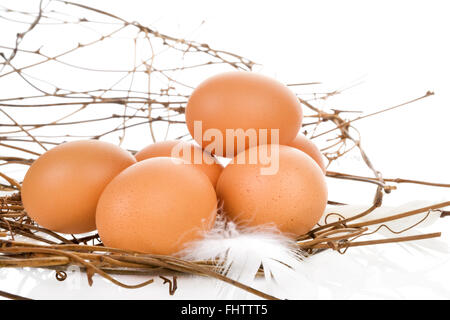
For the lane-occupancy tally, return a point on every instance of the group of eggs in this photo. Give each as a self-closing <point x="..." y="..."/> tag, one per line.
<point x="155" y="202"/>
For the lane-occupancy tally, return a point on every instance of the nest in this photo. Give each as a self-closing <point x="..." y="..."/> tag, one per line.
<point x="148" y="98"/>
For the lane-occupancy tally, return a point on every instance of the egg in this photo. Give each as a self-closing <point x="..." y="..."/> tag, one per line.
<point x="61" y="188"/>
<point x="292" y="197"/>
<point x="233" y="111"/>
<point x="156" y="206"/>
<point x="302" y="143"/>
<point x="186" y="151"/>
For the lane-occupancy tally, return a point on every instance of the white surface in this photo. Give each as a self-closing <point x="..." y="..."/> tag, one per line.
<point x="398" y="49"/>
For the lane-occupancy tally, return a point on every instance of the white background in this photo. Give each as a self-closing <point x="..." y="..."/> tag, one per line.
<point x="396" y="51"/>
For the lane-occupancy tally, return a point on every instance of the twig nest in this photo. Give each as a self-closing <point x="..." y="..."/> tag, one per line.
<point x="189" y="152"/>
<point x="156" y="206"/>
<point x="274" y="184"/>
<point x="61" y="189"/>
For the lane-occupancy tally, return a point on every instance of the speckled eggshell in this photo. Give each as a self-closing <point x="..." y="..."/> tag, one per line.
<point x="207" y="163"/>
<point x="302" y="143"/>
<point x="156" y="206"/>
<point x="293" y="199"/>
<point x="61" y="189"/>
<point x="243" y="100"/>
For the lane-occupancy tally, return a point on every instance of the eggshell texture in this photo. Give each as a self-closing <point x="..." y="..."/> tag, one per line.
<point x="156" y="206"/>
<point x="201" y="160"/>
<point x="293" y="199"/>
<point x="243" y="100"/>
<point x="302" y="143"/>
<point x="61" y="189"/>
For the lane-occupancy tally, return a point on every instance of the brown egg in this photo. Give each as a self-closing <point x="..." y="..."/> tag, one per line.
<point x="293" y="197"/>
<point x="156" y="206"/>
<point x="186" y="151"/>
<point x="61" y="189"/>
<point x="302" y="143"/>
<point x="246" y="101"/>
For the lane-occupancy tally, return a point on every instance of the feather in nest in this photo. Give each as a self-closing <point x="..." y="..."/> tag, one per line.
<point x="242" y="251"/>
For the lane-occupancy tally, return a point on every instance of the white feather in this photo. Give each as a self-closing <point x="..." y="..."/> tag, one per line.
<point x="241" y="251"/>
